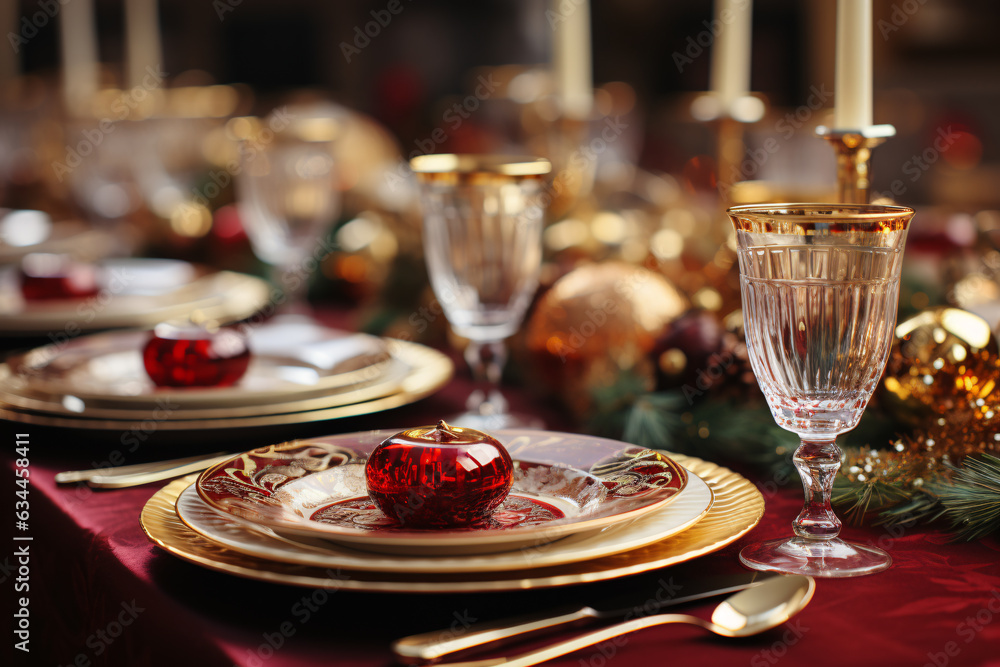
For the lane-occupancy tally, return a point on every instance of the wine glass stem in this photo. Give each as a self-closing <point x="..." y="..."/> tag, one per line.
<point x="293" y="285"/>
<point x="817" y="462"/>
<point x="486" y="359"/>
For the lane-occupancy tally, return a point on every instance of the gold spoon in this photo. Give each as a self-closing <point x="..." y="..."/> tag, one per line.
<point x="747" y="613"/>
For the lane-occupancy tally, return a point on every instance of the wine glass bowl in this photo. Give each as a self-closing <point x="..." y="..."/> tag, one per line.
<point x="483" y="244"/>
<point x="820" y="285"/>
<point x="288" y="198"/>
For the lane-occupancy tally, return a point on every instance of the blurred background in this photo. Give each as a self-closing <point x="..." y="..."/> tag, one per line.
<point x="151" y="149"/>
<point x="938" y="63"/>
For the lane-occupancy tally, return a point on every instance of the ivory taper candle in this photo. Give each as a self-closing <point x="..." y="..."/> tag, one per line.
<point x="78" y="38"/>
<point x="853" y="80"/>
<point x="730" y="75"/>
<point x="142" y="33"/>
<point x="571" y="57"/>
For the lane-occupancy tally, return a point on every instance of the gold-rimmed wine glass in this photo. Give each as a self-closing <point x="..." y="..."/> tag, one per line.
<point x="820" y="287"/>
<point x="483" y="219"/>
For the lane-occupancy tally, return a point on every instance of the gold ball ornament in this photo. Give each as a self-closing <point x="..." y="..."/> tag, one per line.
<point x="611" y="308"/>
<point x="938" y="367"/>
<point x="597" y="321"/>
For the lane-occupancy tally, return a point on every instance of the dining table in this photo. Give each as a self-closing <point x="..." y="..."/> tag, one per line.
<point x="100" y="593"/>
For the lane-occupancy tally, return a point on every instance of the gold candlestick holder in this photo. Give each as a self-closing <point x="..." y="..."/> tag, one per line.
<point x="854" y="152"/>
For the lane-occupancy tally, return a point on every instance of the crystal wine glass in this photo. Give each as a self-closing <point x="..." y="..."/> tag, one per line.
<point x="820" y="289"/>
<point x="483" y="243"/>
<point x="288" y="198"/>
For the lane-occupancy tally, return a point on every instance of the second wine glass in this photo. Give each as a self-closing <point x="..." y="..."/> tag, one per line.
<point x="288" y="198"/>
<point x="483" y="243"/>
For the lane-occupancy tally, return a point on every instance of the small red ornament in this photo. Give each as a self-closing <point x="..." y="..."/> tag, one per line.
<point x="439" y="476"/>
<point x="195" y="357"/>
<point x="46" y="277"/>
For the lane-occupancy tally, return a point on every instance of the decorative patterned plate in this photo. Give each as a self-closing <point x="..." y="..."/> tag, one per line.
<point x="563" y="484"/>
<point x="425" y="370"/>
<point x="135" y="293"/>
<point x="737" y="509"/>
<point x="103" y="375"/>
<point x="691" y="505"/>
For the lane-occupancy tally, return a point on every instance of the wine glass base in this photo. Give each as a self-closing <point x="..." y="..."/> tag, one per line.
<point x="833" y="558"/>
<point x="489" y="422"/>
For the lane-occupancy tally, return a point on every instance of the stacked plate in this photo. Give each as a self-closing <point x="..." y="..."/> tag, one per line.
<point x="133" y="293"/>
<point x="299" y="372"/>
<point x="581" y="509"/>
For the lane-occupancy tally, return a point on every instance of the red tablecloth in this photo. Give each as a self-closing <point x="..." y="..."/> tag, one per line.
<point x="100" y="593"/>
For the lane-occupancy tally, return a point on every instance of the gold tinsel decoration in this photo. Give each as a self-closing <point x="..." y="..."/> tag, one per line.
<point x="962" y="405"/>
<point x="928" y="375"/>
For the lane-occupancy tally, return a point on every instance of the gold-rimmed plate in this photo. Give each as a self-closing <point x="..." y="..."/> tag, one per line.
<point x="292" y="360"/>
<point x="738" y="507"/>
<point x="690" y="506"/>
<point x="426" y="371"/>
<point x="134" y="293"/>
<point x="563" y="484"/>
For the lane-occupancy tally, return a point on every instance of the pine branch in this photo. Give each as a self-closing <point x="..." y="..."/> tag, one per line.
<point x="862" y="498"/>
<point x="654" y="421"/>
<point x="972" y="501"/>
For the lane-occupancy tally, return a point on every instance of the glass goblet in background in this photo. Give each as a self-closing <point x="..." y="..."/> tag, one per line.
<point x="820" y="289"/>
<point x="483" y="246"/>
<point x="288" y="198"/>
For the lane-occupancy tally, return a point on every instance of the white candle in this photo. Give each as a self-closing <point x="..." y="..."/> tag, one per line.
<point x="853" y="85"/>
<point x="571" y="57"/>
<point x="730" y="76"/>
<point x="78" y="35"/>
<point x="142" y="34"/>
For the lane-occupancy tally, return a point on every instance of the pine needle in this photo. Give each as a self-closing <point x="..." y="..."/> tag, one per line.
<point x="972" y="501"/>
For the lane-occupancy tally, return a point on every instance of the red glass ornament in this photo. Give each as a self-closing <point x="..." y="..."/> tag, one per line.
<point x="195" y="357"/>
<point x="439" y="476"/>
<point x="46" y="277"/>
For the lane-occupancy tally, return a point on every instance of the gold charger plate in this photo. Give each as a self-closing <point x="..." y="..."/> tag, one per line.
<point x="427" y="371"/>
<point x="738" y="508"/>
